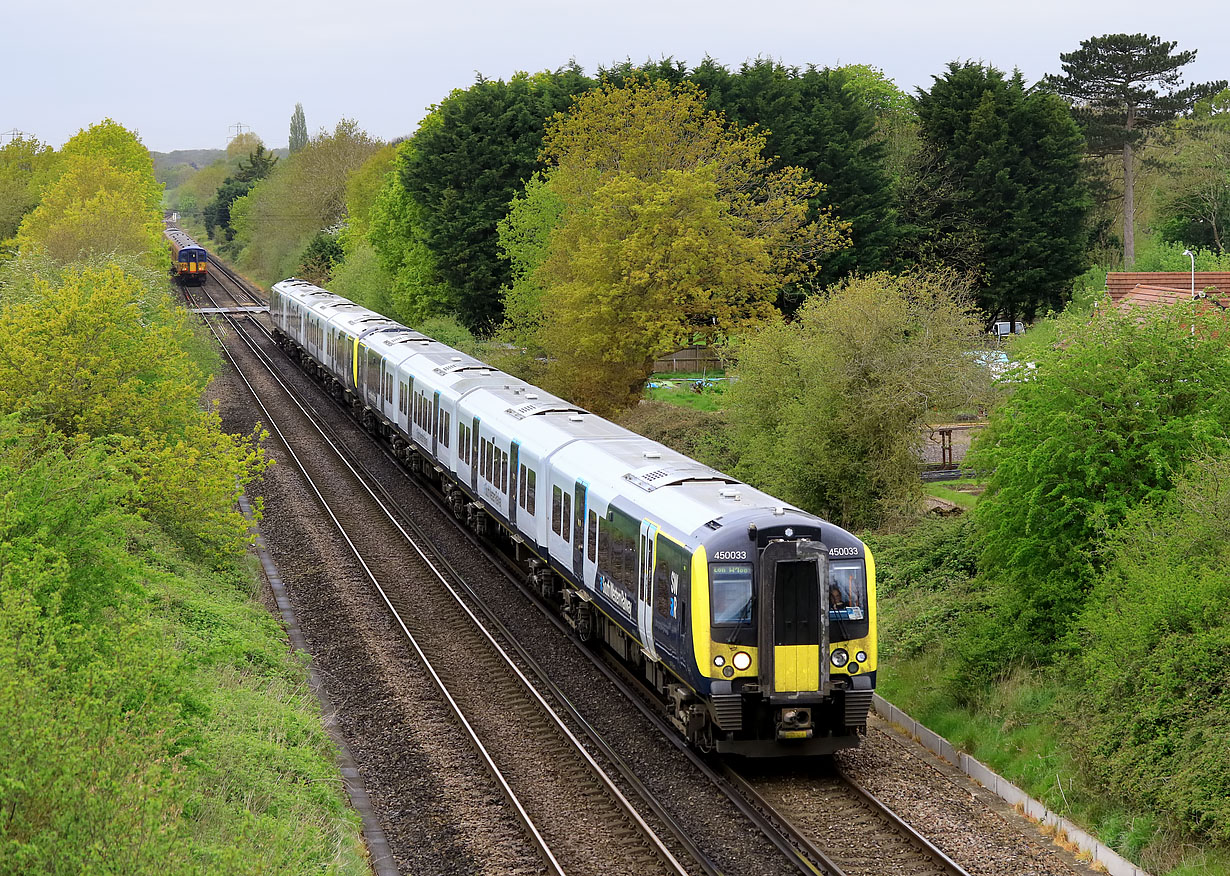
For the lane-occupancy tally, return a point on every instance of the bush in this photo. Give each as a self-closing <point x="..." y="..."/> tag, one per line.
<point x="827" y="411"/>
<point x="1154" y="712"/>
<point x="1104" y="423"/>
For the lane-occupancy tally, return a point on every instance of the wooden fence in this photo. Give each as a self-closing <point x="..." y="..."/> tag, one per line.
<point x="689" y="359"/>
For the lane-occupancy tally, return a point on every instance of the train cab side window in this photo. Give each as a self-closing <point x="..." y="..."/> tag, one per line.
<point x="592" y="536"/>
<point x="565" y="527"/>
<point x="557" y="505"/>
<point x="530" y="493"/>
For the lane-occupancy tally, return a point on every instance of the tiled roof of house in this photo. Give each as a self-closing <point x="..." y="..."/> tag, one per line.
<point x="1120" y="283"/>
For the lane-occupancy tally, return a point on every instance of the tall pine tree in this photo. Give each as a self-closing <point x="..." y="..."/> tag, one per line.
<point x="1006" y="178"/>
<point x="1120" y="85"/>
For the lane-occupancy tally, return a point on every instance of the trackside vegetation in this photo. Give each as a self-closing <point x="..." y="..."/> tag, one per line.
<point x="152" y="717"/>
<point x="1071" y="630"/>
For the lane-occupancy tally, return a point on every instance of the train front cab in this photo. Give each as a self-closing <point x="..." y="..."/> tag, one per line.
<point x="191" y="265"/>
<point x="789" y="695"/>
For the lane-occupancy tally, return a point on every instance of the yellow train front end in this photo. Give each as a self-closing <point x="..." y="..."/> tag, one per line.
<point x="784" y="640"/>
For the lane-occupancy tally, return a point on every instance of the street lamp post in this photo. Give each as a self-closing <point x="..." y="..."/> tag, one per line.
<point x="1192" y="255"/>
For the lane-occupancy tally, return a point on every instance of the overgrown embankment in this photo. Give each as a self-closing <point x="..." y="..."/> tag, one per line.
<point x="152" y="717"/>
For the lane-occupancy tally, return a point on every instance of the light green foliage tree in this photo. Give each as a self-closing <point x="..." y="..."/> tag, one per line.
<point x="417" y="290"/>
<point x="1193" y="204"/>
<point x="1153" y="696"/>
<point x="113" y="142"/>
<point x="827" y="411"/>
<point x="298" y="129"/>
<point x="100" y="353"/>
<point x="670" y="227"/>
<point x="26" y="169"/>
<point x="1106" y="421"/>
<point x="895" y="115"/>
<point x="96" y="206"/>
<point x="359" y="276"/>
<point x="243" y="145"/>
<point x="306" y="194"/>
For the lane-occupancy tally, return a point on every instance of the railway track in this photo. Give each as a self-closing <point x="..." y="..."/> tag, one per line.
<point x="860" y="836"/>
<point x="509" y="722"/>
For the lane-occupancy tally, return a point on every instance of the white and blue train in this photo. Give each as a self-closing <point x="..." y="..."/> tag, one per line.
<point x="755" y="621"/>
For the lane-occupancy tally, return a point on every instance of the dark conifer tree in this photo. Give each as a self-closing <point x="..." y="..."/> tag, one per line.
<point x="1006" y="180"/>
<point x="1119" y="86"/>
<point x="470" y="157"/>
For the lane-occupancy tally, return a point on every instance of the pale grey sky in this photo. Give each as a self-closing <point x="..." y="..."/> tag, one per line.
<point x="181" y="73"/>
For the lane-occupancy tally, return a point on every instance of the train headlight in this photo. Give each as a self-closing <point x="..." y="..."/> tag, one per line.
<point x="840" y="657"/>
<point x="742" y="660"/>
<point x="861" y="656"/>
<point x="719" y="661"/>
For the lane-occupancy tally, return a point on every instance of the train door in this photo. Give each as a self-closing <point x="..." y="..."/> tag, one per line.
<point x="793" y="636"/>
<point x="514" y="458"/>
<point x="473" y="442"/>
<point x="435" y="425"/>
<point x="578" y="529"/>
<point x="644" y="590"/>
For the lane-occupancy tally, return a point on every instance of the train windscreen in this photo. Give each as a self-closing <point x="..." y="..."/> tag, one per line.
<point x="847" y="600"/>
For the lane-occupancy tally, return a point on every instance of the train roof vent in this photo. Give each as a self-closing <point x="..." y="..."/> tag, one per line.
<point x="462" y="367"/>
<point x="654" y="478"/>
<point x="714" y="525"/>
<point x="535" y="409"/>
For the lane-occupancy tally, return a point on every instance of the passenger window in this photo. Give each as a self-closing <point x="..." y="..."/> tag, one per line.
<point x="556" y="508"/>
<point x="530" y="493"/>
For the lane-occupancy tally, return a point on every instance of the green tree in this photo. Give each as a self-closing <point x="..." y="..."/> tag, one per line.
<point x="1120" y="85"/>
<point x="812" y="120"/>
<point x="1106" y="421"/>
<point x="27" y="167"/>
<point x="113" y="142"/>
<point x="1006" y="184"/>
<point x="298" y="129"/>
<point x="319" y="258"/>
<point x="828" y="410"/>
<point x="668" y="226"/>
<point x="278" y="218"/>
<point x="96" y="206"/>
<point x="217" y="213"/>
<point x="471" y="155"/>
<point x="1194" y="155"/>
<point x="417" y="289"/>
